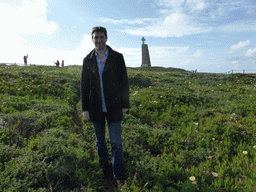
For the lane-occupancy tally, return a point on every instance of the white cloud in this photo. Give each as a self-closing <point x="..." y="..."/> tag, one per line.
<point x="239" y="26"/>
<point x="176" y="24"/>
<point x="198" y="53"/>
<point x="48" y="55"/>
<point x="71" y="57"/>
<point x="213" y="16"/>
<point x="170" y="56"/>
<point x="240" y="45"/>
<point x="250" y="53"/>
<point x="128" y="51"/>
<point x="126" y="21"/>
<point x="21" y="18"/>
<point x="171" y="3"/>
<point x="174" y="20"/>
<point x="179" y="18"/>
<point x="234" y="62"/>
<point x="26" y="17"/>
<point x="132" y="56"/>
<point x="86" y="44"/>
<point x="177" y="5"/>
<point x="168" y="51"/>
<point x="164" y="56"/>
<point x="221" y="10"/>
<point x="197" y="5"/>
<point x="187" y="17"/>
<point x="252" y="10"/>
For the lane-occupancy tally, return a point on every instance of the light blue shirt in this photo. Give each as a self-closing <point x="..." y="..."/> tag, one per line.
<point x="101" y="68"/>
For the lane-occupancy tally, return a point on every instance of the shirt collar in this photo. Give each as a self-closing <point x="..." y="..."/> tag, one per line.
<point x="105" y="54"/>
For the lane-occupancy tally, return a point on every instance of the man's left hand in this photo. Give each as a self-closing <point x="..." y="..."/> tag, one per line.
<point x="124" y="111"/>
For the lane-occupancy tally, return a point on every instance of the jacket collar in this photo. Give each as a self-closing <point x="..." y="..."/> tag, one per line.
<point x="109" y="63"/>
<point x="110" y="52"/>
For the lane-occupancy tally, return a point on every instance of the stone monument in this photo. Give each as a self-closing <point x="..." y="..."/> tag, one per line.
<point x="145" y="54"/>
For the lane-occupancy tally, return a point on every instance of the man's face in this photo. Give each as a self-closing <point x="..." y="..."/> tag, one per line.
<point x="99" y="39"/>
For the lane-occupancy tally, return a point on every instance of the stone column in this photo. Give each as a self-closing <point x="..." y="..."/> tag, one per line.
<point x="145" y="55"/>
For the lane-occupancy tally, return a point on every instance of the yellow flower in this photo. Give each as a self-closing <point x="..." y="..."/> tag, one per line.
<point x="215" y="174"/>
<point x="213" y="139"/>
<point x="245" y="152"/>
<point x="192" y="178"/>
<point x="254" y="147"/>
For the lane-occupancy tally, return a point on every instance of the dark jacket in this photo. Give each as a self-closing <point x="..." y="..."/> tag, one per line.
<point x="115" y="86"/>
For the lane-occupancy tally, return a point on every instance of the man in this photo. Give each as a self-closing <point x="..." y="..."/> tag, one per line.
<point x="105" y="95"/>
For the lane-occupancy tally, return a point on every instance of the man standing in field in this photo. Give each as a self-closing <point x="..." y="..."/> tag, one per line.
<point x="105" y="95"/>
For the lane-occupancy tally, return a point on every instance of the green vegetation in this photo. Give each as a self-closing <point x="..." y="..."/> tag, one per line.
<point x="185" y="131"/>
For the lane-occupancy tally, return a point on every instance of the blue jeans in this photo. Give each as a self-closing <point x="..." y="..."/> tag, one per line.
<point x="116" y="146"/>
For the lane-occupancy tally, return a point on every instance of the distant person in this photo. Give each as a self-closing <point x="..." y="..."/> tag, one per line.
<point x="57" y="63"/>
<point x="62" y="63"/>
<point x="25" y="60"/>
<point x="105" y="68"/>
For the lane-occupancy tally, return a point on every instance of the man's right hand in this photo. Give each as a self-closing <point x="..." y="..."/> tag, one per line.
<point x="86" y="115"/>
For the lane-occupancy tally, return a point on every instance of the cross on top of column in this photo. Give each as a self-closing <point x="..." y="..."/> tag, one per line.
<point x="143" y="40"/>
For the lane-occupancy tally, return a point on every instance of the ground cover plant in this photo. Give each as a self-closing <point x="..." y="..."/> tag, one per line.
<point x="185" y="131"/>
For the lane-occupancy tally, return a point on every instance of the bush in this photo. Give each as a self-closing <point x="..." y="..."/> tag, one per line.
<point x="48" y="161"/>
<point x="181" y="124"/>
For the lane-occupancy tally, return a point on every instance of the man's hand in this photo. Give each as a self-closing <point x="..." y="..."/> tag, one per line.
<point x="124" y="111"/>
<point x="86" y="115"/>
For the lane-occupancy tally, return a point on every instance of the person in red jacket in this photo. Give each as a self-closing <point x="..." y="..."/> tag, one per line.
<point x="105" y="95"/>
<point x="25" y="60"/>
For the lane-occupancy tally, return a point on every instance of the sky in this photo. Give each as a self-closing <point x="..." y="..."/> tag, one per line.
<point x="212" y="36"/>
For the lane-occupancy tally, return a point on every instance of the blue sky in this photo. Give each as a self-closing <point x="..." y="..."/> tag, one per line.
<point x="213" y="36"/>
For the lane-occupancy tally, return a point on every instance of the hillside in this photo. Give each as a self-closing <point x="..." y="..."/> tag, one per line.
<point x="185" y="131"/>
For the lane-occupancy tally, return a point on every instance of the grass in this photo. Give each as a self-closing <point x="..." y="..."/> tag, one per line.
<point x="181" y="124"/>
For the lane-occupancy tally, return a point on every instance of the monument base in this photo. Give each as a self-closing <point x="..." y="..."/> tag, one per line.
<point x="145" y="65"/>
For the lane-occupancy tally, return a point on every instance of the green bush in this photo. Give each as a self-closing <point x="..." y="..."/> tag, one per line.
<point x="181" y="124"/>
<point x="48" y="161"/>
<point x="8" y="152"/>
